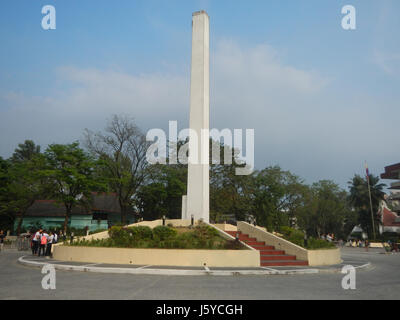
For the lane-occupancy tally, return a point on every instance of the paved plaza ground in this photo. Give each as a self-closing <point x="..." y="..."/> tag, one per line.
<point x="380" y="281"/>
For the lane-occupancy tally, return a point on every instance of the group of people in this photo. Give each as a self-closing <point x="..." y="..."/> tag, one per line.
<point x="358" y="243"/>
<point x="41" y="242"/>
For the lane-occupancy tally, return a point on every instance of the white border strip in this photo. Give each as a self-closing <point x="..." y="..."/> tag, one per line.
<point x="177" y="272"/>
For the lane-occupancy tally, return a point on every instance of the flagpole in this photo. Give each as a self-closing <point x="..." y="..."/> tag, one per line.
<point x="370" y="201"/>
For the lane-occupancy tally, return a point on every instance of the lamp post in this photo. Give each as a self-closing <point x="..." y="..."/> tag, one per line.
<point x="370" y="200"/>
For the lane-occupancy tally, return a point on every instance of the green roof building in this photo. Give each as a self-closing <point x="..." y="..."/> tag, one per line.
<point x="103" y="212"/>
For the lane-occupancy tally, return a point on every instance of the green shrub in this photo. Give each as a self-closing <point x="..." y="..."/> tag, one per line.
<point x="162" y="233"/>
<point x="314" y="244"/>
<point x="205" y="232"/>
<point x="286" y="231"/>
<point x="119" y="236"/>
<point x="117" y="232"/>
<point x="293" y="235"/>
<point x="140" y="233"/>
<point x="297" y="238"/>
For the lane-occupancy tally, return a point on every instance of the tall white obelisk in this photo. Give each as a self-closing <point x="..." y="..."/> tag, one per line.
<point x="198" y="197"/>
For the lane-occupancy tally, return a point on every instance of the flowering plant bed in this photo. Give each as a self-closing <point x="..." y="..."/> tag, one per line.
<point x="163" y="237"/>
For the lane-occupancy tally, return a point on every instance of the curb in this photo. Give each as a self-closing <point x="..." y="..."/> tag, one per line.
<point x="365" y="266"/>
<point x="178" y="272"/>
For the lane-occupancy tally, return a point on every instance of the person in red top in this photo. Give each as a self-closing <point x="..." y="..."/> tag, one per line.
<point x="43" y="243"/>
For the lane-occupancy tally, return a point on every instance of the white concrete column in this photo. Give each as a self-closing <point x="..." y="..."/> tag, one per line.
<point x="198" y="173"/>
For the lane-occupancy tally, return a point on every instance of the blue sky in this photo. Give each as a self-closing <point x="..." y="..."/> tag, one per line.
<point x="322" y="100"/>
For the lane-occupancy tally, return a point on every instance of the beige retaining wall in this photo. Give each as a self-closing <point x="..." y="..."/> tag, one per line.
<point x="324" y="257"/>
<point x="314" y="257"/>
<point x="159" y="257"/>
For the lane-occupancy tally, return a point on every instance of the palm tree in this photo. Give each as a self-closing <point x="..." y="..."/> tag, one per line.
<point x="359" y="199"/>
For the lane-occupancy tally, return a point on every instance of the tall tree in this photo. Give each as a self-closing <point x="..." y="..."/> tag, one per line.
<point x="277" y="196"/>
<point x="25" y="151"/>
<point x="122" y="151"/>
<point x="26" y="185"/>
<point x="6" y="216"/>
<point x="151" y="201"/>
<point x="359" y="198"/>
<point x="71" y="170"/>
<point x="230" y="194"/>
<point x="162" y="192"/>
<point x="325" y="209"/>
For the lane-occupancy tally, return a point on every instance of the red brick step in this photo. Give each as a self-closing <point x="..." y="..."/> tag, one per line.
<point x="268" y="255"/>
<point x="283" y="257"/>
<point x="280" y="263"/>
<point x="262" y="247"/>
<point x="255" y="243"/>
<point x="271" y="252"/>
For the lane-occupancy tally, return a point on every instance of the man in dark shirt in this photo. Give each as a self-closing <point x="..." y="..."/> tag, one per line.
<point x="2" y="237"/>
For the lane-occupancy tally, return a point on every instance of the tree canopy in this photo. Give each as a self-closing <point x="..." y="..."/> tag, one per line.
<point x="115" y="160"/>
<point x="70" y="171"/>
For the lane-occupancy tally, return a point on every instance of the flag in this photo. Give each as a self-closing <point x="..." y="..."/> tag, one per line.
<point x="366" y="170"/>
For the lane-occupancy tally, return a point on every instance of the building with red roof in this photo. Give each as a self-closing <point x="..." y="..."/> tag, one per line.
<point x="389" y="210"/>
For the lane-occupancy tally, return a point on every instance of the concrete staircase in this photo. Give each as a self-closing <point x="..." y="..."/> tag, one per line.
<point x="268" y="255"/>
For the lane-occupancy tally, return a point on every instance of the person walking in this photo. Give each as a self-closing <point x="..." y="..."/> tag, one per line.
<point x="43" y="243"/>
<point x="36" y="241"/>
<point x="2" y="237"/>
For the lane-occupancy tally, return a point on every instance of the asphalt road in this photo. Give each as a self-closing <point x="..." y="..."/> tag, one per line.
<point x="382" y="281"/>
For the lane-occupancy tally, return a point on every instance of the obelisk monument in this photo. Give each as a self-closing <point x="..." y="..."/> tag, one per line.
<point x="196" y="204"/>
